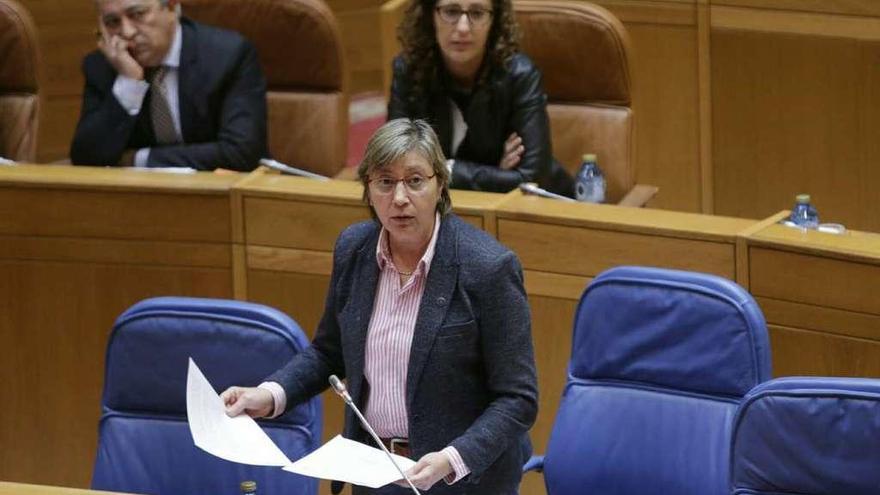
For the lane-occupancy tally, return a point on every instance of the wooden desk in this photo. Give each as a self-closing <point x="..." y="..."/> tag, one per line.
<point x="80" y="245"/>
<point x="818" y="295"/>
<point x="77" y="247"/>
<point x="7" y="488"/>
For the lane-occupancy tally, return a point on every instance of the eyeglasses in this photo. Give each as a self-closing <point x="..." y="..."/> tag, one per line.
<point x="386" y="185"/>
<point x="451" y="14"/>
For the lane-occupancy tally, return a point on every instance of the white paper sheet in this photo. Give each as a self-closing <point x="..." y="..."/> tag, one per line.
<point x="241" y="440"/>
<point x="166" y="170"/>
<point x="237" y="439"/>
<point x="342" y="459"/>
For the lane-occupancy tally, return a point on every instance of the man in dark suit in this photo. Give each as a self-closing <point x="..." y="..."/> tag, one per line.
<point x="162" y="90"/>
<point x="435" y="344"/>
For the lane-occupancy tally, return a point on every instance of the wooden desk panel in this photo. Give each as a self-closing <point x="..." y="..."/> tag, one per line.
<point x="7" y="488"/>
<point x="588" y="252"/>
<point x="77" y="247"/>
<point x="814" y="280"/>
<point x="91" y="202"/>
<point x="803" y="352"/>
<point x="55" y="320"/>
<point x="300" y="224"/>
<point x="818" y="294"/>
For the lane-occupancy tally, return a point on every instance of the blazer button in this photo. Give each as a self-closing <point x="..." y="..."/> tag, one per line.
<point x="441" y="301"/>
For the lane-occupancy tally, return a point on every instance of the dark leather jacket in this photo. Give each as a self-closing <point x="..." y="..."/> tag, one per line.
<point x="511" y="100"/>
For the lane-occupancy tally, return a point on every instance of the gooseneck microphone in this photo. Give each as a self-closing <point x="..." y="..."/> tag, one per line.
<point x="532" y="188"/>
<point x="341" y="391"/>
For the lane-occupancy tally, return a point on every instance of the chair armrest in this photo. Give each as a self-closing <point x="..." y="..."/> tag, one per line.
<point x="638" y="196"/>
<point x="536" y="463"/>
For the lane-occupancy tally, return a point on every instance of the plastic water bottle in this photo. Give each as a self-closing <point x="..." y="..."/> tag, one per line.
<point x="803" y="214"/>
<point x="590" y="185"/>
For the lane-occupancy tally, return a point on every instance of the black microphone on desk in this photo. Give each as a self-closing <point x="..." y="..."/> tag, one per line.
<point x="532" y="188"/>
<point x="341" y="391"/>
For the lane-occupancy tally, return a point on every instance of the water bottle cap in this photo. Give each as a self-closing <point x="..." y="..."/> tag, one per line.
<point x="248" y="486"/>
<point x="802" y="198"/>
<point x="589" y="157"/>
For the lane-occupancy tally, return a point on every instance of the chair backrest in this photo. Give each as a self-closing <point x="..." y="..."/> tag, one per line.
<point x="19" y="87"/>
<point x="144" y="443"/>
<point x="808" y="436"/>
<point x="660" y="360"/>
<point x="583" y="52"/>
<point x="301" y="52"/>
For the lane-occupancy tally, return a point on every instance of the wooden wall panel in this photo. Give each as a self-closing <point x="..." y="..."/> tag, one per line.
<point x="551" y="334"/>
<point x="67" y="32"/>
<point x="54" y="321"/>
<point x="818" y="295"/>
<point x="850" y="7"/>
<point x="802" y="352"/>
<point x="603" y="249"/>
<point x="111" y="214"/>
<point x="302" y="224"/>
<point x="796" y="113"/>
<point x="58" y="117"/>
<point x="361" y="39"/>
<point x="816" y="280"/>
<point x="665" y="85"/>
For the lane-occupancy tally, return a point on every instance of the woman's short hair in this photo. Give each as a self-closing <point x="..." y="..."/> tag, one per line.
<point x="421" y="52"/>
<point x="392" y="142"/>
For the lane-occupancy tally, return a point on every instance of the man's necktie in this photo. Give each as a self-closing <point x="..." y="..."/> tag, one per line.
<point x="160" y="111"/>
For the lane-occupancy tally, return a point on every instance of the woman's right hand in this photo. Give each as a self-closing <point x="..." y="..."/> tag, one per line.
<point x="255" y="402"/>
<point x="513" y="151"/>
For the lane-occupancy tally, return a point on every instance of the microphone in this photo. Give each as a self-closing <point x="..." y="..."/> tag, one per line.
<point x="532" y="188"/>
<point x="341" y="391"/>
<point x="287" y="169"/>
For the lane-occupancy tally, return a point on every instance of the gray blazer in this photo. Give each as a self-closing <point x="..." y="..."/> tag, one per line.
<point x="471" y="380"/>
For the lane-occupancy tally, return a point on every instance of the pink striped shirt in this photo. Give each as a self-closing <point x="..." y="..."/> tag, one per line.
<point x="389" y="339"/>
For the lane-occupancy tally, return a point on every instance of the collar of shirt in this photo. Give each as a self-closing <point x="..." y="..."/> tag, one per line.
<point x="383" y="254"/>
<point x="172" y="58"/>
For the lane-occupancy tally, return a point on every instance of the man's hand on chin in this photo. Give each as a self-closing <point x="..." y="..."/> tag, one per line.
<point x="115" y="49"/>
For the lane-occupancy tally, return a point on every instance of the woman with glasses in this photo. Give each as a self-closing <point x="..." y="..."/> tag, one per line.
<point x="460" y="69"/>
<point x="427" y="319"/>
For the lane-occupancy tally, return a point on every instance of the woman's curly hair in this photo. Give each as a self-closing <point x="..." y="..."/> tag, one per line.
<point x="421" y="52"/>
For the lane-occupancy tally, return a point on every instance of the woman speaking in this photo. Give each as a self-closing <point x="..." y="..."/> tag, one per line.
<point x="427" y="319"/>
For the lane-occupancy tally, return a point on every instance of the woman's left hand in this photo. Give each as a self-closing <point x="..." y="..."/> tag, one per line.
<point x="513" y="151"/>
<point x="430" y="469"/>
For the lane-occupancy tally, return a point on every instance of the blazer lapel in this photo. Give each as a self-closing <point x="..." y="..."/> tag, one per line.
<point x="187" y="83"/>
<point x="439" y="289"/>
<point x="356" y="320"/>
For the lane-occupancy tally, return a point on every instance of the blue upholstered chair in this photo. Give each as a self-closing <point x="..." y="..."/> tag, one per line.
<point x="660" y="360"/>
<point x="144" y="443"/>
<point x="808" y="436"/>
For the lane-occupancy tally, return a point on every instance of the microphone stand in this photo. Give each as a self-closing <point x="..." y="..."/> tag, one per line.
<point x="341" y="391"/>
